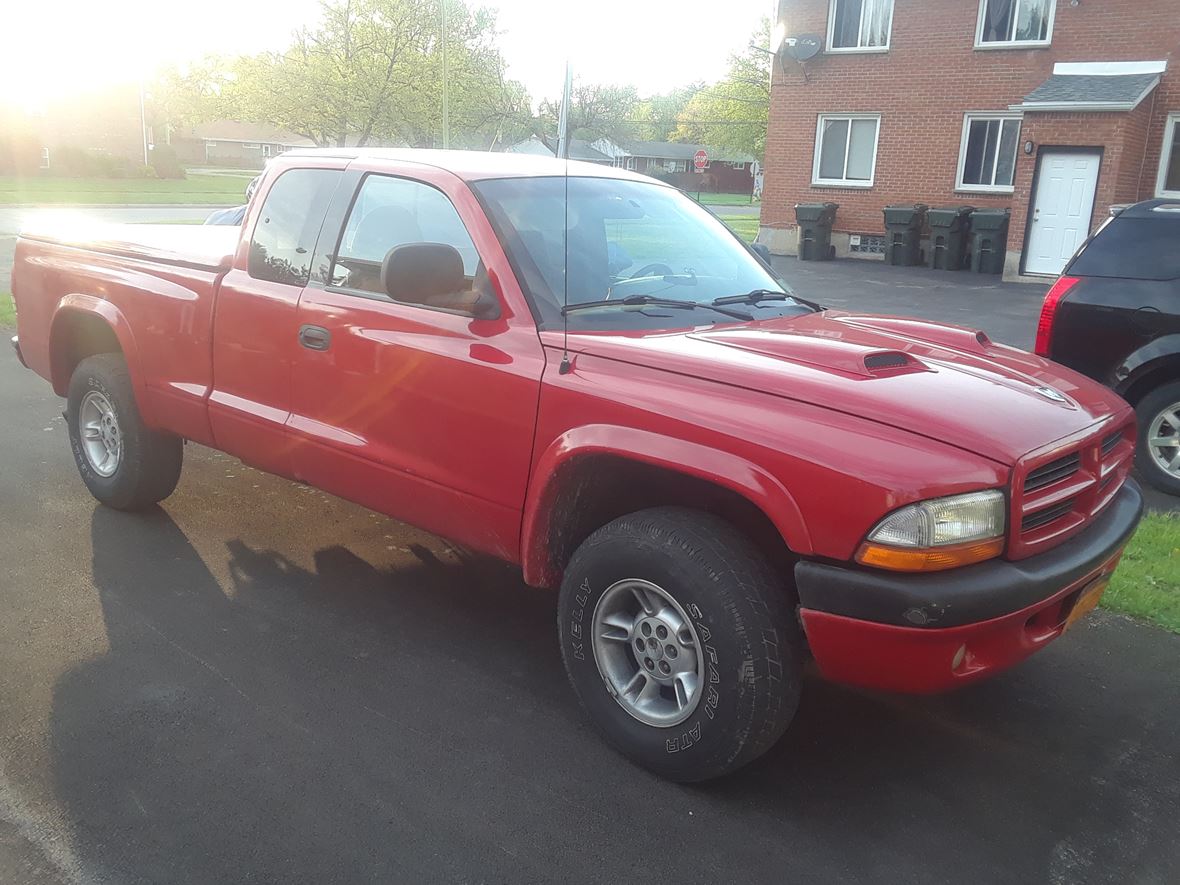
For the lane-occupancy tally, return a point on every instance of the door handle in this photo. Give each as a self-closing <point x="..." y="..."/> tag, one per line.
<point x="315" y="337"/>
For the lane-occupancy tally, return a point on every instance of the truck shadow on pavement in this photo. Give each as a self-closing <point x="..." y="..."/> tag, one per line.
<point x="345" y="723"/>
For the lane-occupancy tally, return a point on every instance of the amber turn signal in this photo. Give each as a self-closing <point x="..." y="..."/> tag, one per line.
<point x="929" y="559"/>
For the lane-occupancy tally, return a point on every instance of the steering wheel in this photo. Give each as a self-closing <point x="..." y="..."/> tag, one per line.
<point x="652" y="270"/>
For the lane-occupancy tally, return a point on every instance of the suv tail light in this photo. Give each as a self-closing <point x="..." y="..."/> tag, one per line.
<point x="1048" y="310"/>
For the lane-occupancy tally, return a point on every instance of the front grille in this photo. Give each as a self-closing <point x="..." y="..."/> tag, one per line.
<point x="1062" y="492"/>
<point x="1046" y="516"/>
<point x="1053" y="472"/>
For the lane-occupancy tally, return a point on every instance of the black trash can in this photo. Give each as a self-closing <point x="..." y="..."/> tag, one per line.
<point x="903" y="234"/>
<point x="989" y="240"/>
<point x="815" y="230"/>
<point x="949" y="229"/>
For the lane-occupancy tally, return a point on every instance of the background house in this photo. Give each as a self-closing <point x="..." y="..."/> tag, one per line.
<point x="232" y="143"/>
<point x="1053" y="109"/>
<point x="542" y="147"/>
<point x="104" y="123"/>
<point x="672" y="161"/>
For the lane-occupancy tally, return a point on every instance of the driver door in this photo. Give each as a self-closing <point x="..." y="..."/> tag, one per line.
<point x="420" y="411"/>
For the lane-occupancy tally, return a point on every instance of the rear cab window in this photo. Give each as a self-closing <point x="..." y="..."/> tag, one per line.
<point x="283" y="241"/>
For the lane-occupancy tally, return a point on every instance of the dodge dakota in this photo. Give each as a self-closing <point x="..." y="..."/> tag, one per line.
<point x="581" y="371"/>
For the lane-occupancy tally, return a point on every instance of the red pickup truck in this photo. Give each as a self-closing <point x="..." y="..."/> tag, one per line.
<point x="582" y="371"/>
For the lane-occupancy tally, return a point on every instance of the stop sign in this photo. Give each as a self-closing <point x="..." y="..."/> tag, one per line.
<point x="700" y="160"/>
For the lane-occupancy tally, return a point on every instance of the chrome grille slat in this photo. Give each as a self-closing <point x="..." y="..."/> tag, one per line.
<point x="1110" y="442"/>
<point x="1050" y="514"/>
<point x="1054" y="471"/>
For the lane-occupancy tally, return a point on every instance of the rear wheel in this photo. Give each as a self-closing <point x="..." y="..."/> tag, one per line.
<point x="124" y="464"/>
<point x="680" y="642"/>
<point x="1158" y="454"/>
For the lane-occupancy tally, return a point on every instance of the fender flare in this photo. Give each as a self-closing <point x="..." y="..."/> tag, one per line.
<point x="722" y="468"/>
<point x="1144" y="360"/>
<point x="75" y="304"/>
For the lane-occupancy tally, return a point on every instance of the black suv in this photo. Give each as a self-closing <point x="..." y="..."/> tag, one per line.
<point x="1114" y="314"/>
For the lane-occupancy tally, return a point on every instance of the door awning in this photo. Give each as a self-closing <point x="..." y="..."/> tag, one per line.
<point x="1094" y="86"/>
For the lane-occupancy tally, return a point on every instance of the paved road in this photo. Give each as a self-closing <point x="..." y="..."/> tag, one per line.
<point x="258" y="682"/>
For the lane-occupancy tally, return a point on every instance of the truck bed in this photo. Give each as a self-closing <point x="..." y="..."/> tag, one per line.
<point x="74" y="278"/>
<point x="201" y="247"/>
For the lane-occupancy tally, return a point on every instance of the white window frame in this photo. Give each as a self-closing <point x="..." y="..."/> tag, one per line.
<point x="968" y="118"/>
<point x="44" y="158"/>
<point x="1165" y="152"/>
<point x="816" y="181"/>
<point x="853" y="49"/>
<point x="1013" y="44"/>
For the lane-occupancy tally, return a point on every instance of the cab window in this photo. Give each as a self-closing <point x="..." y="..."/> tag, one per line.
<point x="283" y="241"/>
<point x="390" y="212"/>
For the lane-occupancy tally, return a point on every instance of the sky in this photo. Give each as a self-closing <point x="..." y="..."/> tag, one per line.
<point x="53" y="47"/>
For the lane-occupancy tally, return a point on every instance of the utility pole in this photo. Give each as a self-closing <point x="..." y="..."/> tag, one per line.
<point x="446" y="110"/>
<point x="143" y="131"/>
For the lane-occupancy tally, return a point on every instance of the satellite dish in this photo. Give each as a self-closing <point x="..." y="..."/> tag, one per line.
<point x="803" y="47"/>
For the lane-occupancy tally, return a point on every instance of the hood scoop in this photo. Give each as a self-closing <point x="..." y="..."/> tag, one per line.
<point x="830" y="352"/>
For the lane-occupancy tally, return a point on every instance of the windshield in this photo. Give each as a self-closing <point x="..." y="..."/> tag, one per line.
<point x="627" y="240"/>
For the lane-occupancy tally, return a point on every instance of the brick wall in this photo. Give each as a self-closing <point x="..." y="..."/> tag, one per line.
<point x="931" y="75"/>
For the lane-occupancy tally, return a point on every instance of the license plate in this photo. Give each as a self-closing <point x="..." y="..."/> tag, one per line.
<point x="1088" y="600"/>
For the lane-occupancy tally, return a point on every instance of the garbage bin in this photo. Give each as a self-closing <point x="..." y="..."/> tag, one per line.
<point x="989" y="240"/>
<point x="948" y="237"/>
<point x="815" y="230"/>
<point x="903" y="234"/>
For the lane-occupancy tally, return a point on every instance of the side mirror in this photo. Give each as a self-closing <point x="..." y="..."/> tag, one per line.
<point x="762" y="251"/>
<point x="422" y="273"/>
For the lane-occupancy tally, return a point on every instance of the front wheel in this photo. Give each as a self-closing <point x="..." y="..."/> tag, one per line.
<point x="1158" y="456"/>
<point x="680" y="643"/>
<point x="124" y="464"/>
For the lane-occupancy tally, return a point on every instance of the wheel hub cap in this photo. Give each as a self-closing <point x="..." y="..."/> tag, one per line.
<point x="102" y="441"/>
<point x="647" y="652"/>
<point x="1163" y="439"/>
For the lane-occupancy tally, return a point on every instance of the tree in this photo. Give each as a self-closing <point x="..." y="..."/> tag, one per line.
<point x="370" y="70"/>
<point x="656" y="118"/>
<point x="596" y="110"/>
<point x="732" y="113"/>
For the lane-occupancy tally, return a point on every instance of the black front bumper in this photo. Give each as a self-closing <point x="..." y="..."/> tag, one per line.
<point x="976" y="592"/>
<point x="16" y="347"/>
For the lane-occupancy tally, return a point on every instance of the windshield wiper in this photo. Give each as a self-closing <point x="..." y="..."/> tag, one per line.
<point x="655" y="301"/>
<point x="756" y="296"/>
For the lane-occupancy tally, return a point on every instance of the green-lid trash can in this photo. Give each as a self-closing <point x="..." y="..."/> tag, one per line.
<point x="949" y="229"/>
<point x="989" y="240"/>
<point x="903" y="234"/>
<point x="815" y="230"/>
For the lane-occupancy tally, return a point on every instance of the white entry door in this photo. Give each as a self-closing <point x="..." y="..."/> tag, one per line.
<point x="1062" y="207"/>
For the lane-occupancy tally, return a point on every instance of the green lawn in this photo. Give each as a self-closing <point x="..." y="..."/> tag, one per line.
<point x="1147" y="582"/>
<point x="745" y="226"/>
<point x="221" y="190"/>
<point x="7" y="310"/>
<point x="724" y="199"/>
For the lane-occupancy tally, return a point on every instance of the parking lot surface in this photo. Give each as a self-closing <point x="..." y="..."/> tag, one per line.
<point x="259" y="682"/>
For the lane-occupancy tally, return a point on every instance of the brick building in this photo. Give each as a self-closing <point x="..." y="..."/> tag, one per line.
<point x="1054" y="109"/>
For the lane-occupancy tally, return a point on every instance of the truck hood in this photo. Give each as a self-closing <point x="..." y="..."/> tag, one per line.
<point x="941" y="381"/>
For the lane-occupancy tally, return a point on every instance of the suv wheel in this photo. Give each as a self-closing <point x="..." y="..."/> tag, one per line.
<point x="680" y="642"/>
<point x="1158" y="455"/>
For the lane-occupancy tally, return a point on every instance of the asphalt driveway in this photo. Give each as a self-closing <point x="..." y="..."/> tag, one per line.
<point x="259" y="682"/>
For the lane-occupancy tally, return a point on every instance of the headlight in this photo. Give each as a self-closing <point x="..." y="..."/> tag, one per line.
<point x="938" y="534"/>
